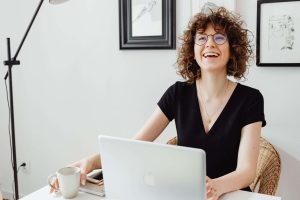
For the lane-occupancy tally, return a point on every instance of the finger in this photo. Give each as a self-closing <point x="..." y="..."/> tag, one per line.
<point x="51" y="188"/>
<point x="209" y="195"/>
<point x="212" y="195"/>
<point x="83" y="178"/>
<point x="208" y="185"/>
<point x="101" y="183"/>
<point x="54" y="185"/>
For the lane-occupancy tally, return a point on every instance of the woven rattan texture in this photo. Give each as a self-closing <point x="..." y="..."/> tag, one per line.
<point x="268" y="169"/>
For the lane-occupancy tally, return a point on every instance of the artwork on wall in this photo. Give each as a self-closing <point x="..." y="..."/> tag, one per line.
<point x="197" y="5"/>
<point x="278" y="33"/>
<point x="147" y="24"/>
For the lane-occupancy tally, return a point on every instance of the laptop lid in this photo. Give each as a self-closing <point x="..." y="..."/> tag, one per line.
<point x="135" y="170"/>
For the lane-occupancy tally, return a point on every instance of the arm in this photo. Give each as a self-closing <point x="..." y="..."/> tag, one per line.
<point x="246" y="164"/>
<point x="153" y="127"/>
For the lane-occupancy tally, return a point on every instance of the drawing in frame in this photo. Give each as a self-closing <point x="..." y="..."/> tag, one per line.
<point x="278" y="33"/>
<point x="197" y="5"/>
<point x="147" y="24"/>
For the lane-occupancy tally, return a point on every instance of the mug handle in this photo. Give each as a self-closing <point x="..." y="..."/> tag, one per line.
<point x="50" y="179"/>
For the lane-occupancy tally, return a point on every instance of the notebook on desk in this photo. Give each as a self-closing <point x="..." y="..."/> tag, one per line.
<point x="135" y="170"/>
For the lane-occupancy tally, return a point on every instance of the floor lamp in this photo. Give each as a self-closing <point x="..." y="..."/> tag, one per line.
<point x="10" y="62"/>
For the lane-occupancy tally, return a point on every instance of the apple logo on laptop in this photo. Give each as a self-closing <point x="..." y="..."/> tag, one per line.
<point x="149" y="179"/>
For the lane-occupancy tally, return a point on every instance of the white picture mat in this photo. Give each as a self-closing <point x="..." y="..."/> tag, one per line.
<point x="196" y="5"/>
<point x="272" y="41"/>
<point x="146" y="17"/>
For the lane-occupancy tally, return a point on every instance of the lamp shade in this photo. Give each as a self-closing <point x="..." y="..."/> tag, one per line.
<point x="57" y="1"/>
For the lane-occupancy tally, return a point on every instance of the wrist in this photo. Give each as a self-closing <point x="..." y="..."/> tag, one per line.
<point x="218" y="186"/>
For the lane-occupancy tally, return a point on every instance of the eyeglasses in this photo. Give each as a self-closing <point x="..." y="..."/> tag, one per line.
<point x="201" y="39"/>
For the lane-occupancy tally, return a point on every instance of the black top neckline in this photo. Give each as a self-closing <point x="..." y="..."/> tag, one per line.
<point x="220" y="115"/>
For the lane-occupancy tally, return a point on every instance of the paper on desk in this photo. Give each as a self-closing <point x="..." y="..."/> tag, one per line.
<point x="248" y="196"/>
<point x="92" y="189"/>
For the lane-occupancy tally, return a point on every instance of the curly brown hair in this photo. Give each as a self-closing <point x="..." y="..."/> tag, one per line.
<point x="231" y="25"/>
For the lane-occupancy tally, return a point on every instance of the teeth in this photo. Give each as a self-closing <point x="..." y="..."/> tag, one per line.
<point x="210" y="54"/>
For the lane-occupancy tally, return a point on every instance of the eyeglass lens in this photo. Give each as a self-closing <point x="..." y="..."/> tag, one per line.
<point x="218" y="38"/>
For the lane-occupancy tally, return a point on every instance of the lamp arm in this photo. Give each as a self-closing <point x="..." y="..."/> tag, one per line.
<point x="28" y="29"/>
<point x="14" y="61"/>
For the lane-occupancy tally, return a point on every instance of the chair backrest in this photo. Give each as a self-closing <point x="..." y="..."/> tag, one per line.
<point x="268" y="167"/>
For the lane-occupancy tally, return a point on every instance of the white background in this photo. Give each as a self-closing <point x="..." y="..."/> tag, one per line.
<point x="74" y="83"/>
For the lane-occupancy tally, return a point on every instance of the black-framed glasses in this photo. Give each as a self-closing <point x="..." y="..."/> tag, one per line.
<point x="201" y="39"/>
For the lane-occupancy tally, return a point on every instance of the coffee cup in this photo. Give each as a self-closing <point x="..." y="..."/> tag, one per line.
<point x="68" y="181"/>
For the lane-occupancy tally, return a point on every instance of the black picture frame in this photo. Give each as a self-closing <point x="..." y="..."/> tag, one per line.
<point x="167" y="40"/>
<point x="275" y="33"/>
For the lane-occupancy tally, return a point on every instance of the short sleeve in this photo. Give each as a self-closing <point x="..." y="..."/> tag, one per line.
<point x="167" y="102"/>
<point x="254" y="109"/>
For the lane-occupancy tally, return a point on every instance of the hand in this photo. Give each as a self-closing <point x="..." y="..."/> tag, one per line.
<point x="86" y="165"/>
<point x="212" y="191"/>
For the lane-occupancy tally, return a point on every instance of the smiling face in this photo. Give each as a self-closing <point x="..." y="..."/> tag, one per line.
<point x="212" y="56"/>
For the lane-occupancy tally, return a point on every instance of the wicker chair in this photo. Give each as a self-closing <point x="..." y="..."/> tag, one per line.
<point x="268" y="168"/>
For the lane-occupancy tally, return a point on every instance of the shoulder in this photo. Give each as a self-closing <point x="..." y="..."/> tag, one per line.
<point x="249" y="94"/>
<point x="179" y="86"/>
<point x="182" y="84"/>
<point x="248" y="91"/>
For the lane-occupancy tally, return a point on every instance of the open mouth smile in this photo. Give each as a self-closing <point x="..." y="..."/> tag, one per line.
<point x="210" y="55"/>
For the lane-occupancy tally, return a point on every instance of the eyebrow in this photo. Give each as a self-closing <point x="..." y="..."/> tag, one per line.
<point x="217" y="30"/>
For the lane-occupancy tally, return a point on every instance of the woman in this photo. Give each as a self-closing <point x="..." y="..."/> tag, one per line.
<point x="211" y="112"/>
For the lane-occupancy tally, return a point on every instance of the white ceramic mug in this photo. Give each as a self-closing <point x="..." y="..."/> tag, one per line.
<point x="68" y="180"/>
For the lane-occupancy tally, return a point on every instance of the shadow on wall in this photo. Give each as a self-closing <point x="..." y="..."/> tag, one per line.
<point x="290" y="176"/>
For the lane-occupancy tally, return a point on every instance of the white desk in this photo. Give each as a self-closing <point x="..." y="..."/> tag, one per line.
<point x="43" y="194"/>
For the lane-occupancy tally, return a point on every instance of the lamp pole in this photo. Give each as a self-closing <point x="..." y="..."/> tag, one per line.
<point x="10" y="62"/>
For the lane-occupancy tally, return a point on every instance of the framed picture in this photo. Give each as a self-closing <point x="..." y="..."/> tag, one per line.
<point x="197" y="5"/>
<point x="147" y="24"/>
<point x="278" y="33"/>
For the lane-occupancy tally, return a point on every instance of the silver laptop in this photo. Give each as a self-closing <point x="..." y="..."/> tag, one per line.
<point x="138" y="170"/>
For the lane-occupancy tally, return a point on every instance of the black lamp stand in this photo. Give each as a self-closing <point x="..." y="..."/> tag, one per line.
<point x="10" y="62"/>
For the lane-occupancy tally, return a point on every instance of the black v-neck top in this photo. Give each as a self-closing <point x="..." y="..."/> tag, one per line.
<point x="221" y="143"/>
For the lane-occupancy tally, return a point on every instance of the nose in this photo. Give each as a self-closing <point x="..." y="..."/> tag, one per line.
<point x="210" y="41"/>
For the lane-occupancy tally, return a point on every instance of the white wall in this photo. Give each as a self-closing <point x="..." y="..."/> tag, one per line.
<point x="74" y="83"/>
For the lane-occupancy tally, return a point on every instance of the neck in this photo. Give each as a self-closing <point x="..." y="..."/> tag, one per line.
<point x="212" y="86"/>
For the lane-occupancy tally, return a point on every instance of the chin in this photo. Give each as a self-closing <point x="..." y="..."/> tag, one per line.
<point x="213" y="68"/>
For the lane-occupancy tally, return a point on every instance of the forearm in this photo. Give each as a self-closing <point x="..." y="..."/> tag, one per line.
<point x="234" y="181"/>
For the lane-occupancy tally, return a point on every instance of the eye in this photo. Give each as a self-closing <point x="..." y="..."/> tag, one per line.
<point x="201" y="37"/>
<point x="219" y="37"/>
